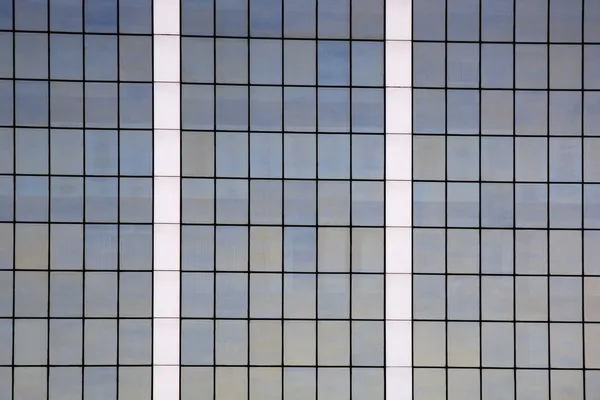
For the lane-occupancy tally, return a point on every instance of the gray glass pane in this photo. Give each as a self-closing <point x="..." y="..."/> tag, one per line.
<point x="31" y="55"/>
<point x="565" y="21"/>
<point x="101" y="57"/>
<point x="30" y="342"/>
<point x="66" y="199"/>
<point x="497" y="205"/>
<point x="135" y="382"/>
<point x="197" y="342"/>
<point x="429" y="344"/>
<point x="100" y="247"/>
<point x="299" y="342"/>
<point x="100" y="342"/>
<point x="265" y="60"/>
<point x="31" y="103"/>
<point x="367" y="60"/>
<point x="463" y="344"/>
<point x="135" y="341"/>
<point x="66" y="152"/>
<point x="429" y="296"/>
<point x="333" y="296"/>
<point x="429" y="20"/>
<point x="31" y="294"/>
<point x="462" y="158"/>
<point x="529" y="26"/>
<point x="565" y="113"/>
<point x="66" y="294"/>
<point x="367" y="162"/>
<point x="300" y="156"/>
<point x="231" y="342"/>
<point x="265" y="342"/>
<point x="299" y="291"/>
<point x="462" y="59"/>
<point x="531" y="298"/>
<point x="334" y="110"/>
<point x="197" y="17"/>
<point x="265" y="383"/>
<point x="30" y="383"/>
<point x="429" y="208"/>
<point x="64" y="383"/>
<point x="565" y="299"/>
<point x="6" y="64"/>
<point x="463" y="297"/>
<point x="497" y="298"/>
<point x="231" y="18"/>
<point x="101" y="294"/>
<point x="333" y="343"/>
<point x="66" y="57"/>
<point x="196" y="380"/>
<point x="566" y="347"/>
<point x="265" y="295"/>
<point x="565" y="252"/>
<point x="135" y="247"/>
<point x="463" y="251"/>
<point x="197" y="107"/>
<point x="197" y="56"/>
<point x="429" y="64"/>
<point x="100" y="383"/>
<point x="65" y="342"/>
<point x="367" y="296"/>
<point x="135" y="294"/>
<point x="299" y="18"/>
<point x="197" y="294"/>
<point x="135" y="58"/>
<point x="197" y="200"/>
<point x="135" y="16"/>
<point x="333" y="202"/>
<point x="299" y="62"/>
<point x="231" y="295"/>
<point x="497" y="344"/>
<point x="429" y="250"/>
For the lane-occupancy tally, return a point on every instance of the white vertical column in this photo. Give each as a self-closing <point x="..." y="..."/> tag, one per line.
<point x="167" y="199"/>
<point x="398" y="302"/>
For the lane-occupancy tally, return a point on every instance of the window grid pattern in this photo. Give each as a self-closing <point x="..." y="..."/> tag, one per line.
<point x="505" y="283"/>
<point x="282" y="200"/>
<point x="76" y="200"/>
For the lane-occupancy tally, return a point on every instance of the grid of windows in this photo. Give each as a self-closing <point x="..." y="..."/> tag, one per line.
<point x="75" y="199"/>
<point x="282" y="199"/>
<point x="505" y="169"/>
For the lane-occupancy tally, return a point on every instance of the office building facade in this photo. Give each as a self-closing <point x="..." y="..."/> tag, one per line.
<point x="299" y="199"/>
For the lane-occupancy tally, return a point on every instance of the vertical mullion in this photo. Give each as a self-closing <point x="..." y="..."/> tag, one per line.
<point x="350" y="192"/>
<point x="49" y="193"/>
<point x="248" y="188"/>
<point x="548" y="194"/>
<point x="514" y="165"/>
<point x="283" y="41"/>
<point x="14" y="210"/>
<point x="317" y="41"/>
<point x="84" y="172"/>
<point x="118" y="272"/>
<point x="480" y="230"/>
<point x="446" y="193"/>
<point x="583" y="186"/>
<point x="214" y="226"/>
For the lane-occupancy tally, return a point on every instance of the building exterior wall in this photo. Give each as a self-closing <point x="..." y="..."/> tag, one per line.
<point x="299" y="199"/>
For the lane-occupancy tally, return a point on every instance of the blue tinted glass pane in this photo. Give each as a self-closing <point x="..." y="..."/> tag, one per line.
<point x="334" y="18"/>
<point x="66" y="57"/>
<point x="31" y="103"/>
<point x="334" y="63"/>
<point x="101" y="57"/>
<point x="231" y="17"/>
<point x="135" y="16"/>
<point x="265" y="18"/>
<point x="299" y="18"/>
<point x="101" y="15"/>
<point x="135" y="148"/>
<point x="197" y="17"/>
<point x="66" y="15"/>
<point x="31" y="15"/>
<point x="6" y="17"/>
